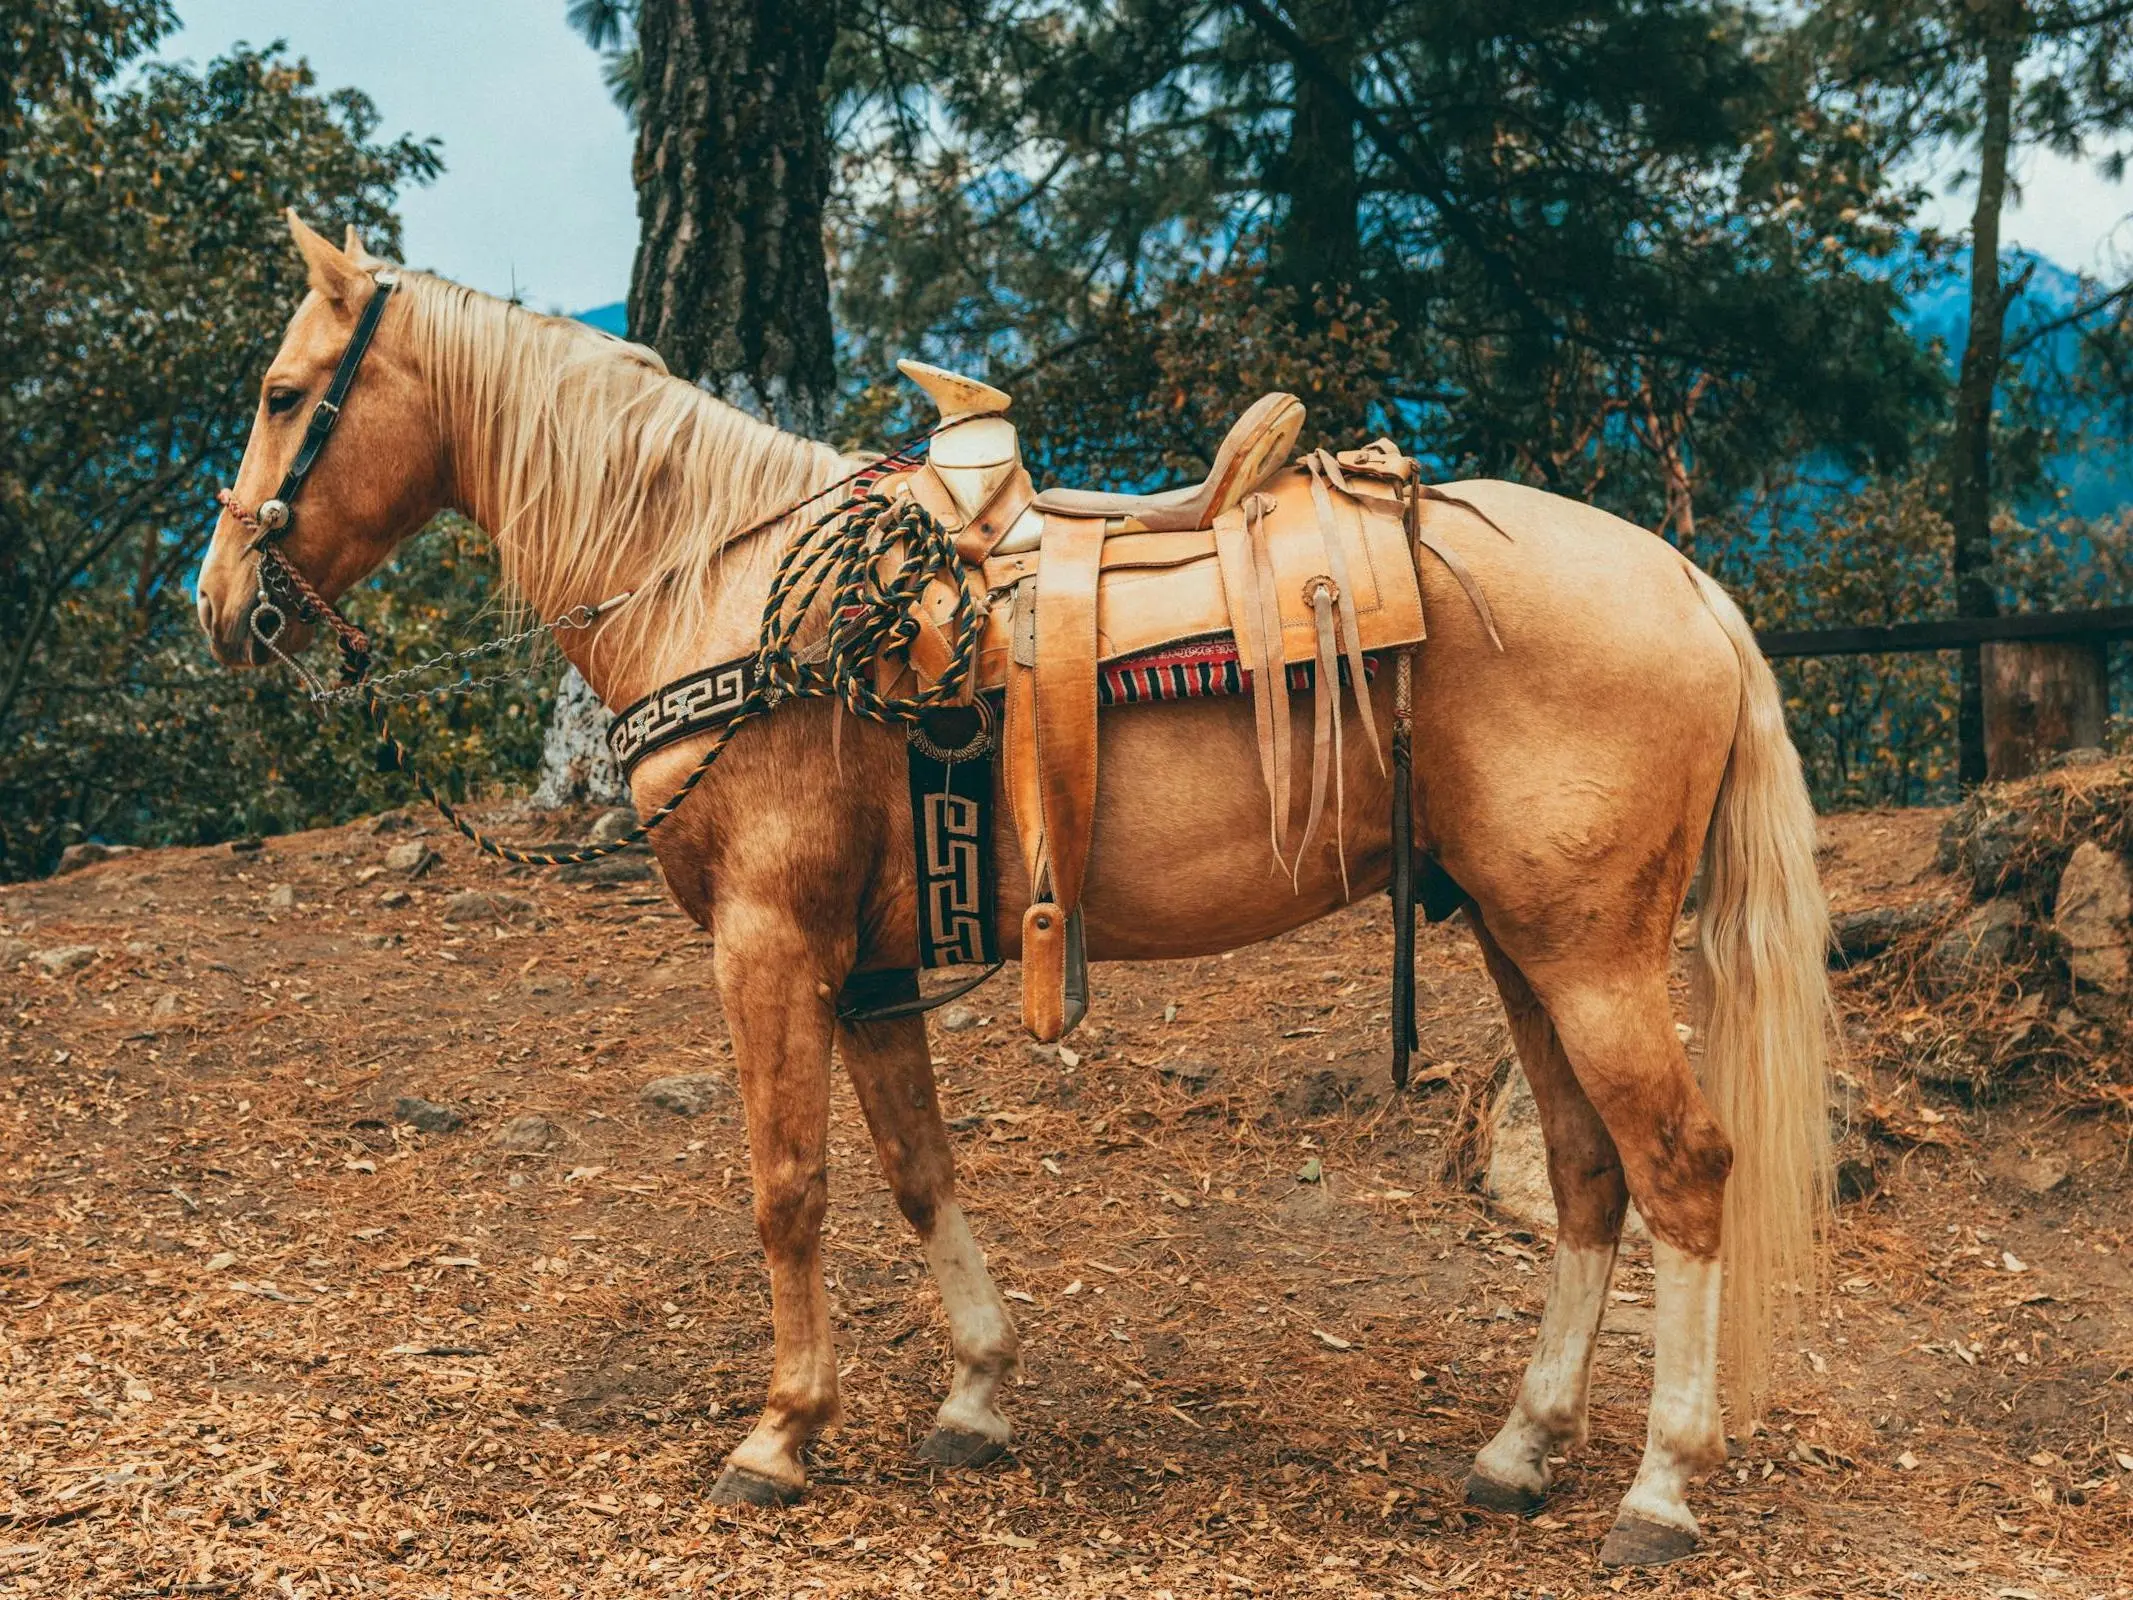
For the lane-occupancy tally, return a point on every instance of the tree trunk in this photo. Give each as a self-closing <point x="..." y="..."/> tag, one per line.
<point x="2042" y="700"/>
<point x="1318" y="246"/>
<point x="730" y="285"/>
<point x="1970" y="475"/>
<point x="732" y="172"/>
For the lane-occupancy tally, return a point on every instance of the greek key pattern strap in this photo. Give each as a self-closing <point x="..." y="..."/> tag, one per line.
<point x="952" y="835"/>
<point x="695" y="704"/>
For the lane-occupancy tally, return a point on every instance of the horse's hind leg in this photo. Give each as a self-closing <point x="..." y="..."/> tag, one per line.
<point x="892" y="1071"/>
<point x="1617" y="1030"/>
<point x="774" y="982"/>
<point x="1512" y="1473"/>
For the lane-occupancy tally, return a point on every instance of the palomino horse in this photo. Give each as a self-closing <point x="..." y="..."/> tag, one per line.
<point x="1568" y="784"/>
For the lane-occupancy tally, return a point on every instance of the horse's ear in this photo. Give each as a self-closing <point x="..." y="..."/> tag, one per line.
<point x="353" y="247"/>
<point x="333" y="273"/>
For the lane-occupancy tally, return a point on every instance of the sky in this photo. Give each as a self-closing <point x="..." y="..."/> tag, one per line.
<point x="536" y="198"/>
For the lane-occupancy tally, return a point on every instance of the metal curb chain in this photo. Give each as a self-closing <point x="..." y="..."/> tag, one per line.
<point x="578" y="617"/>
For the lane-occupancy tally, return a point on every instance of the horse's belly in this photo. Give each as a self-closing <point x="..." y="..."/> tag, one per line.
<point x="1183" y="860"/>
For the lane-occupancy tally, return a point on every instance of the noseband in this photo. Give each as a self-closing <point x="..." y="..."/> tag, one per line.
<point x="283" y="590"/>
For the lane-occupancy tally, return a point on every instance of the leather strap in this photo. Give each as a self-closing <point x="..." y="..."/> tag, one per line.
<point x="328" y="411"/>
<point x="1072" y="553"/>
<point x="1405" y="1035"/>
<point x="1261" y="658"/>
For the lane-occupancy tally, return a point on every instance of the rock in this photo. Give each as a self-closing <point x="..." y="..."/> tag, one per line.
<point x="2093" y="917"/>
<point x="1189" y="1075"/>
<point x="1517" y="1179"/>
<point x="63" y="960"/>
<point x="1859" y="934"/>
<point x="391" y="822"/>
<point x="247" y="847"/>
<point x="687" y="1095"/>
<point x="377" y="941"/>
<point x="958" y="1019"/>
<point x="527" y="1135"/>
<point x="610" y="870"/>
<point x="1982" y="838"/>
<point x="2042" y="1174"/>
<point x="1856" y="1180"/>
<point x="480" y="905"/>
<point x="392" y="899"/>
<point x="1971" y="950"/>
<point x="428" y="1115"/>
<point x="282" y="897"/>
<point x="13" y="952"/>
<point x="612" y="825"/>
<point x="2086" y="755"/>
<point x="414" y="858"/>
<point x="87" y="854"/>
<point x="166" y="1006"/>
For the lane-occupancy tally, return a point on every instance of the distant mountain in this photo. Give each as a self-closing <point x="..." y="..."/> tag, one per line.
<point x="2097" y="471"/>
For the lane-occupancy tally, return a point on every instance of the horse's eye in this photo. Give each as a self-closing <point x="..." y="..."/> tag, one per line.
<point x="282" y="401"/>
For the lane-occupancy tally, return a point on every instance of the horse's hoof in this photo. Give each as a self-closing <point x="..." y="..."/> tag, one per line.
<point x="1640" y="1542"/>
<point x="737" y="1486"/>
<point x="1493" y="1494"/>
<point x="955" y="1447"/>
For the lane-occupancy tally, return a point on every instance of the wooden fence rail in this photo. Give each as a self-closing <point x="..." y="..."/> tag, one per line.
<point x="2046" y="676"/>
<point x="1952" y="634"/>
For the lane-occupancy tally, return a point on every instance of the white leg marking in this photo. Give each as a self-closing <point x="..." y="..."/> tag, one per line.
<point x="1684" y="1437"/>
<point x="1549" y="1413"/>
<point x="980" y="1332"/>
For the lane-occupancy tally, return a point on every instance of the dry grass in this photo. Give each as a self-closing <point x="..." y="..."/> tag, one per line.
<point x="265" y="1339"/>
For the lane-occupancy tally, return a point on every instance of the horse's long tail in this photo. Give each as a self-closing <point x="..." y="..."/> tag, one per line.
<point x="1763" y="1011"/>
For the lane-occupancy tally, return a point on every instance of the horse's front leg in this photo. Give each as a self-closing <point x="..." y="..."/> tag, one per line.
<point x="776" y="984"/>
<point x="892" y="1070"/>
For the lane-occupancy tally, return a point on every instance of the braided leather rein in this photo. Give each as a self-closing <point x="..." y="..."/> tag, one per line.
<point x="843" y="551"/>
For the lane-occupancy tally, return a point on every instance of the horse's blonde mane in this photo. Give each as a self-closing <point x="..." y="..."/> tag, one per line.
<point x="595" y="470"/>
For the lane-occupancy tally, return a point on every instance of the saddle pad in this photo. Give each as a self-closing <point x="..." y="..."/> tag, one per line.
<point x="1199" y="669"/>
<point x="1157" y="589"/>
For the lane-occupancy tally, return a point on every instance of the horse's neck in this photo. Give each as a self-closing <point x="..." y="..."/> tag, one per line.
<point x="620" y="662"/>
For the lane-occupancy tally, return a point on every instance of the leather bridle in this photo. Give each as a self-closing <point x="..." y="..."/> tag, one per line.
<point x="283" y="590"/>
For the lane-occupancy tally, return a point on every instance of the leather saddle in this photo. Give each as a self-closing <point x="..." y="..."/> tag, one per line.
<point x="1286" y="563"/>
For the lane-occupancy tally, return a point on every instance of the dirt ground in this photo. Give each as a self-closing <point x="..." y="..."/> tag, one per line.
<point x="266" y="1337"/>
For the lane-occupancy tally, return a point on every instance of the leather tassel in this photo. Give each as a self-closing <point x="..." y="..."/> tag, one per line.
<point x="1276" y="670"/>
<point x="1241" y="585"/>
<point x="1323" y="468"/>
<point x="1325" y="745"/>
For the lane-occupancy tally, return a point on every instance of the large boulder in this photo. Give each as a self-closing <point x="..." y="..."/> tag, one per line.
<point x="2092" y="918"/>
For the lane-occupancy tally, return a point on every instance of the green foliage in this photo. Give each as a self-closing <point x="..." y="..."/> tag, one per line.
<point x="148" y="277"/>
<point x="1626" y="249"/>
<point x="174" y="749"/>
